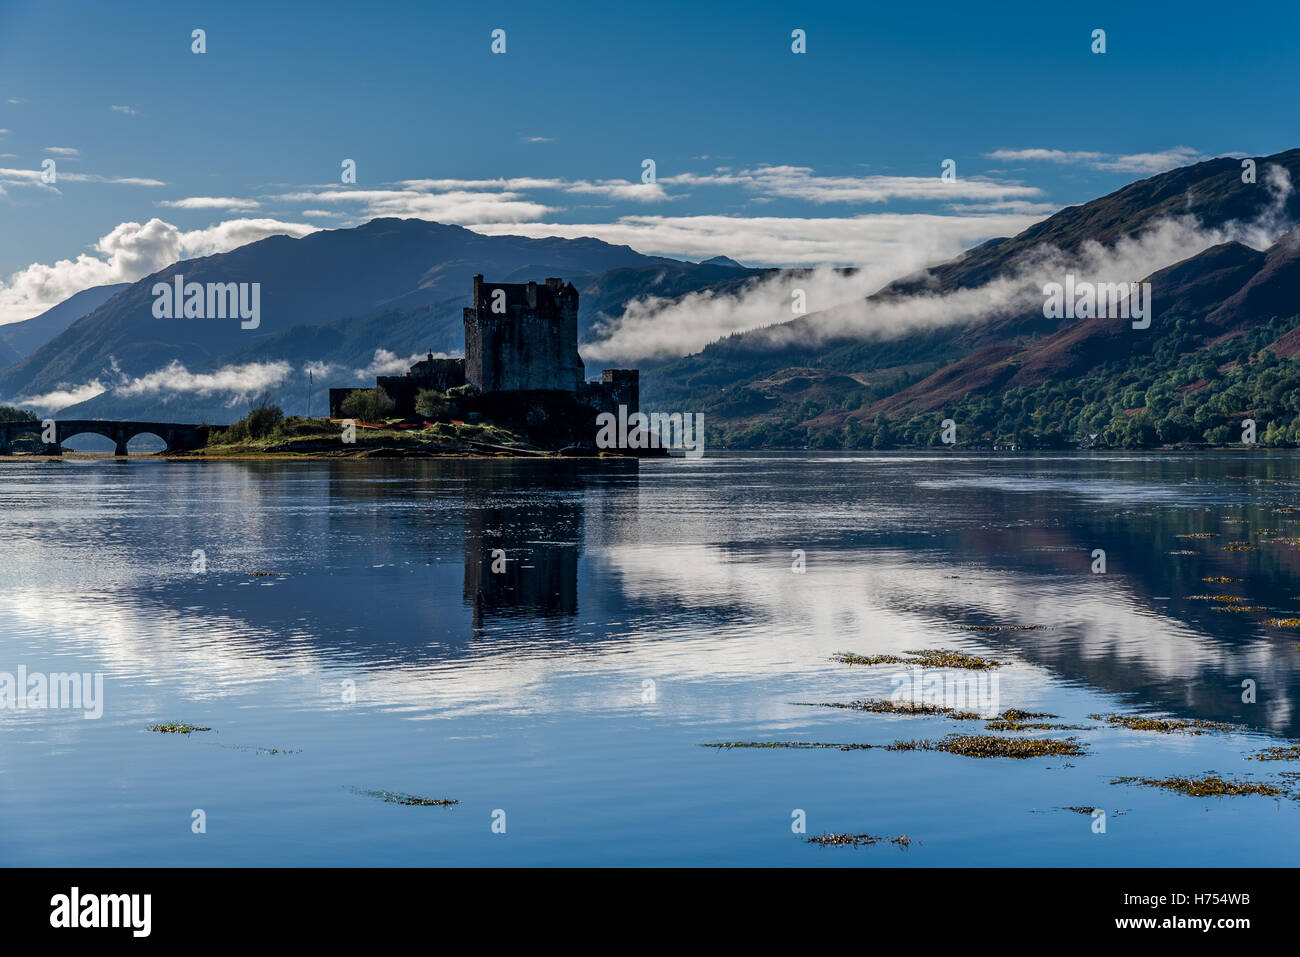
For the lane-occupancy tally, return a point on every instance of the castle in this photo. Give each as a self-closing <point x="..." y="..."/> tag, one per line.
<point x="521" y="358"/>
<point x="523" y="336"/>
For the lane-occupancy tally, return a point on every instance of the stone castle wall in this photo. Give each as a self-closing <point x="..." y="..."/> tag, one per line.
<point x="431" y="373"/>
<point x="523" y="337"/>
<point x="616" y="387"/>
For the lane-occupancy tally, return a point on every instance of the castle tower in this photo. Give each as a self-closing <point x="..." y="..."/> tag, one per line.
<point x="523" y="337"/>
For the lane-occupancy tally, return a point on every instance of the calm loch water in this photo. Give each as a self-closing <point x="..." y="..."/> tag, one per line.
<point x="344" y="631"/>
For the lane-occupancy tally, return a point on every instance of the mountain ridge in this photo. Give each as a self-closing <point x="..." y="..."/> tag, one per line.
<point x="728" y="379"/>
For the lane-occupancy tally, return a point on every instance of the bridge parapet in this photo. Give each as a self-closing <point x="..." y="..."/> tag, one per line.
<point x="177" y="436"/>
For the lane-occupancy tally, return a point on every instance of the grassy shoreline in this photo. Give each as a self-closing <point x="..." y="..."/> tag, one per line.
<point x="235" y="455"/>
<point x="400" y="447"/>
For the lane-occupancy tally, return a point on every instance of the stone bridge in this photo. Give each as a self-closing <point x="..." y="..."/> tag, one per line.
<point x="178" y="437"/>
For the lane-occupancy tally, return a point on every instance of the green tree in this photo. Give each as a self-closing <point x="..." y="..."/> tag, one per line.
<point x="10" y="414"/>
<point x="262" y="420"/>
<point x="368" y="405"/>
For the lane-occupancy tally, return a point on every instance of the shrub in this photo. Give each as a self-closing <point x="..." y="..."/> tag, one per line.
<point x="262" y="421"/>
<point x="295" y="426"/>
<point x="369" y="405"/>
<point x="236" y="432"/>
<point x="431" y="403"/>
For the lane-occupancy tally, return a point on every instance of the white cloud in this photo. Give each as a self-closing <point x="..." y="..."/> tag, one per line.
<point x="119" y="180"/>
<point x="211" y="202"/>
<point x="1151" y="163"/>
<point x="32" y="177"/>
<point x="127" y="253"/>
<point x="62" y="397"/>
<point x="1045" y="155"/>
<point x="777" y="241"/>
<point x="1148" y="163"/>
<point x="388" y="363"/>
<point x="800" y="182"/>
<point x="62" y="150"/>
<point x="20" y="177"/>
<point x="790" y="182"/>
<point x="232" y="234"/>
<point x="459" y="207"/>
<point x="472" y="200"/>
<point x="620" y="189"/>
<point x="124" y="109"/>
<point x="238" y="382"/>
<point x="513" y="184"/>
<point x="1010" y="206"/>
<point x="613" y="188"/>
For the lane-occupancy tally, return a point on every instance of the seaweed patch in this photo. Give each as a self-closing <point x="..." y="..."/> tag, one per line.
<point x="851" y="659"/>
<point x="991" y="746"/>
<point x="881" y="706"/>
<point x="1002" y="724"/>
<point x="860" y="840"/>
<point x="968" y="745"/>
<point x="176" y="727"/>
<point x="940" y="658"/>
<point x="1290" y="752"/>
<point x="1135" y="722"/>
<point x="925" y="658"/>
<point x="412" y="800"/>
<point x="1209" y="786"/>
<point x="259" y="750"/>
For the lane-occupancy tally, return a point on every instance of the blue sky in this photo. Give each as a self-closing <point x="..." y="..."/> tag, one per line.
<point x="761" y="154"/>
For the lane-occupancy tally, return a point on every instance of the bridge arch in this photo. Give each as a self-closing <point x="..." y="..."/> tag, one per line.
<point x="143" y="439"/>
<point x="89" y="442"/>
